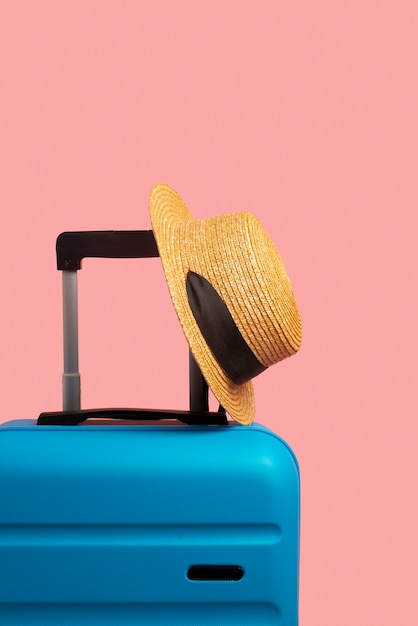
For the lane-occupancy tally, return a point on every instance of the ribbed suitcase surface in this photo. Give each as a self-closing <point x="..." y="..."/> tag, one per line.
<point x="140" y="524"/>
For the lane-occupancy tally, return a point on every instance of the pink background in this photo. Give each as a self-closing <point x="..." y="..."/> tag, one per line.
<point x="303" y="113"/>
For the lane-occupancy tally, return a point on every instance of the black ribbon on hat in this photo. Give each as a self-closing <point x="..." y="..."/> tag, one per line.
<point x="220" y="331"/>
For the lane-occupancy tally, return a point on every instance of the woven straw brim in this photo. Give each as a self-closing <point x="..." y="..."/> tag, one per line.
<point x="235" y="254"/>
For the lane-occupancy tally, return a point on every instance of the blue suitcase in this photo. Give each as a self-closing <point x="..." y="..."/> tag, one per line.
<point x="185" y="519"/>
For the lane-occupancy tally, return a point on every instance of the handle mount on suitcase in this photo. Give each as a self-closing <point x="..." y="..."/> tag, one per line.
<point x="71" y="248"/>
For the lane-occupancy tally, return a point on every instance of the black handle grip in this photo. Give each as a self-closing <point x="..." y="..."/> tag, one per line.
<point x="72" y="247"/>
<point x="72" y="418"/>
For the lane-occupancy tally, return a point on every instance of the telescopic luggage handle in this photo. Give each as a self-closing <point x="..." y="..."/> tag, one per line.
<point x="71" y="249"/>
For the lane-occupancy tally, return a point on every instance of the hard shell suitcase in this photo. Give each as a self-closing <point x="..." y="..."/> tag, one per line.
<point x="184" y="518"/>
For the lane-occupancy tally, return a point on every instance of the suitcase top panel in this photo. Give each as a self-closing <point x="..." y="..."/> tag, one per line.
<point x="111" y="467"/>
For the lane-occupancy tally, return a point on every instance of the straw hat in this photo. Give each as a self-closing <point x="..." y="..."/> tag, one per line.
<point x="231" y="293"/>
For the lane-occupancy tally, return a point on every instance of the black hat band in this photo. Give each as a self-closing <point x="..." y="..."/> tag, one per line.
<point x="220" y="331"/>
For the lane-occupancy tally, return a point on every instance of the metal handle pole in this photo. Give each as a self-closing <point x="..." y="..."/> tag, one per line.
<point x="198" y="387"/>
<point x="71" y="375"/>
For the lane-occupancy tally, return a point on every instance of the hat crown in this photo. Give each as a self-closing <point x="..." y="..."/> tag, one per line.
<point x="235" y="254"/>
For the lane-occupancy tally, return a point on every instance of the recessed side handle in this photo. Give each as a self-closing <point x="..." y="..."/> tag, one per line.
<point x="215" y="573"/>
